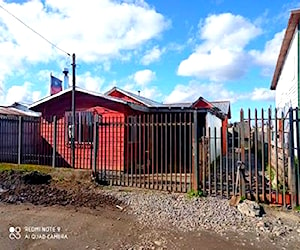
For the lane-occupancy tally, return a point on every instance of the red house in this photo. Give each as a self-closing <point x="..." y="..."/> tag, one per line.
<point x="118" y="112"/>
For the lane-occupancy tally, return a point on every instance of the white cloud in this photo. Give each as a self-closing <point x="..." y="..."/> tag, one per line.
<point x="268" y="57"/>
<point x="96" y="31"/>
<point x="152" y="55"/>
<point x="262" y="94"/>
<point x="222" y="54"/>
<point x="143" y="77"/>
<point x="193" y="90"/>
<point x="88" y="82"/>
<point x="21" y="93"/>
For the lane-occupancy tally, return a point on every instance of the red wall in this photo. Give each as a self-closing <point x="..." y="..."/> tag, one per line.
<point x="111" y="138"/>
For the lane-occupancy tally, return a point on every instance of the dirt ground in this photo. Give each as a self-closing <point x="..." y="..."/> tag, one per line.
<point x="101" y="228"/>
<point x="69" y="215"/>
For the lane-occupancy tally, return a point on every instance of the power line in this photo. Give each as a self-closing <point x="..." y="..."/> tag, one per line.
<point x="37" y="33"/>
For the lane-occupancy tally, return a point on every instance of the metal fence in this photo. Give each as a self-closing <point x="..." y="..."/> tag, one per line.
<point x="151" y="151"/>
<point x="45" y="141"/>
<point x="266" y="148"/>
<point x="168" y="151"/>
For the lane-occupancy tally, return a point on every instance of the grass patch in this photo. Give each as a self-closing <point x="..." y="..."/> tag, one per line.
<point x="194" y="194"/>
<point x="25" y="168"/>
<point x="297" y="208"/>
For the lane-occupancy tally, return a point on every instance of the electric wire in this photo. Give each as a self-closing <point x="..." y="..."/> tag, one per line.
<point x="37" y="33"/>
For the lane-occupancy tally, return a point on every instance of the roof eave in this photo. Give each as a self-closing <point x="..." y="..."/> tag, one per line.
<point x="292" y="24"/>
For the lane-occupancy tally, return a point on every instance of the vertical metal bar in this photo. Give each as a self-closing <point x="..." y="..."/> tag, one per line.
<point x="105" y="127"/>
<point x="185" y="163"/>
<point x="161" y="151"/>
<point x="180" y="152"/>
<point x="171" y="147"/>
<point x="140" y="150"/>
<point x="209" y="161"/>
<point x="283" y="160"/>
<point x="291" y="169"/>
<point x="20" y="141"/>
<point x="156" y="147"/>
<point x="204" y="159"/>
<point x="144" y="138"/>
<point x="227" y="163"/>
<point x="256" y="157"/>
<point x="166" y="151"/>
<point x="136" y="153"/>
<point x="175" y="150"/>
<point x="215" y="161"/>
<point x="263" y="155"/>
<point x="249" y="150"/>
<point x="269" y="153"/>
<point x="152" y="149"/>
<point x="126" y="147"/>
<point x="133" y="135"/>
<point x="190" y="126"/>
<point x="195" y="152"/>
<point x="54" y="141"/>
<point x="95" y="147"/>
<point x="121" y="153"/>
<point x="221" y="161"/>
<point x="232" y="159"/>
<point x="298" y="154"/>
<point x="276" y="154"/>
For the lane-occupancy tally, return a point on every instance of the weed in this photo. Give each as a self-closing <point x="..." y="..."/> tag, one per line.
<point x="192" y="193"/>
<point x="297" y="208"/>
<point x="243" y="198"/>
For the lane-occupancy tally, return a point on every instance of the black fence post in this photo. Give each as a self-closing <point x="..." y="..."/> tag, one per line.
<point x="195" y="153"/>
<point x="298" y="155"/>
<point x="291" y="160"/>
<point x="54" y="141"/>
<point x="95" y="147"/>
<point x="20" y="141"/>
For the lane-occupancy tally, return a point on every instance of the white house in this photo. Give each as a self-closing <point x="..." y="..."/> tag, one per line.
<point x="286" y="80"/>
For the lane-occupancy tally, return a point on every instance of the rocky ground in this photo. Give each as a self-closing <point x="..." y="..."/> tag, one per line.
<point x="282" y="229"/>
<point x="164" y="218"/>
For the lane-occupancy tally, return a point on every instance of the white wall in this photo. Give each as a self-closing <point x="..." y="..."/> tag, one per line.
<point x="214" y="122"/>
<point x="287" y="86"/>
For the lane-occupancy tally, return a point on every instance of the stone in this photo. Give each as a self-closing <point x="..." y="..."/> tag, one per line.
<point x="249" y="208"/>
<point x="158" y="243"/>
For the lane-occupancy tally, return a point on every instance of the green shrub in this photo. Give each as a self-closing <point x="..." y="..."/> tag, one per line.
<point x="192" y="193"/>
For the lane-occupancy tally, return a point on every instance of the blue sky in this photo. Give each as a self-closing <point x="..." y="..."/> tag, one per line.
<point x="170" y="50"/>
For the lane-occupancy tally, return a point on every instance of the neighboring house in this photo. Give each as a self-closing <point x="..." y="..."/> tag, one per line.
<point x="286" y="80"/>
<point x="118" y="106"/>
<point x="13" y="118"/>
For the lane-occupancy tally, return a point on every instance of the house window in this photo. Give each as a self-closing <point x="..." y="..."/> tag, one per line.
<point x="132" y="127"/>
<point x="83" y="127"/>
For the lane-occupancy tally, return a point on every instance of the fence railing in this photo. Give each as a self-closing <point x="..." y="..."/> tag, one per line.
<point x="168" y="151"/>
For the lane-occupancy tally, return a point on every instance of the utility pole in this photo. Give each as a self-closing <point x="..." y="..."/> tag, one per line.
<point x="73" y="110"/>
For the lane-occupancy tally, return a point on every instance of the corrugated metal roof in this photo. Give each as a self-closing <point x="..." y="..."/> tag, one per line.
<point x="12" y="111"/>
<point x="224" y="106"/>
<point x="147" y="102"/>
